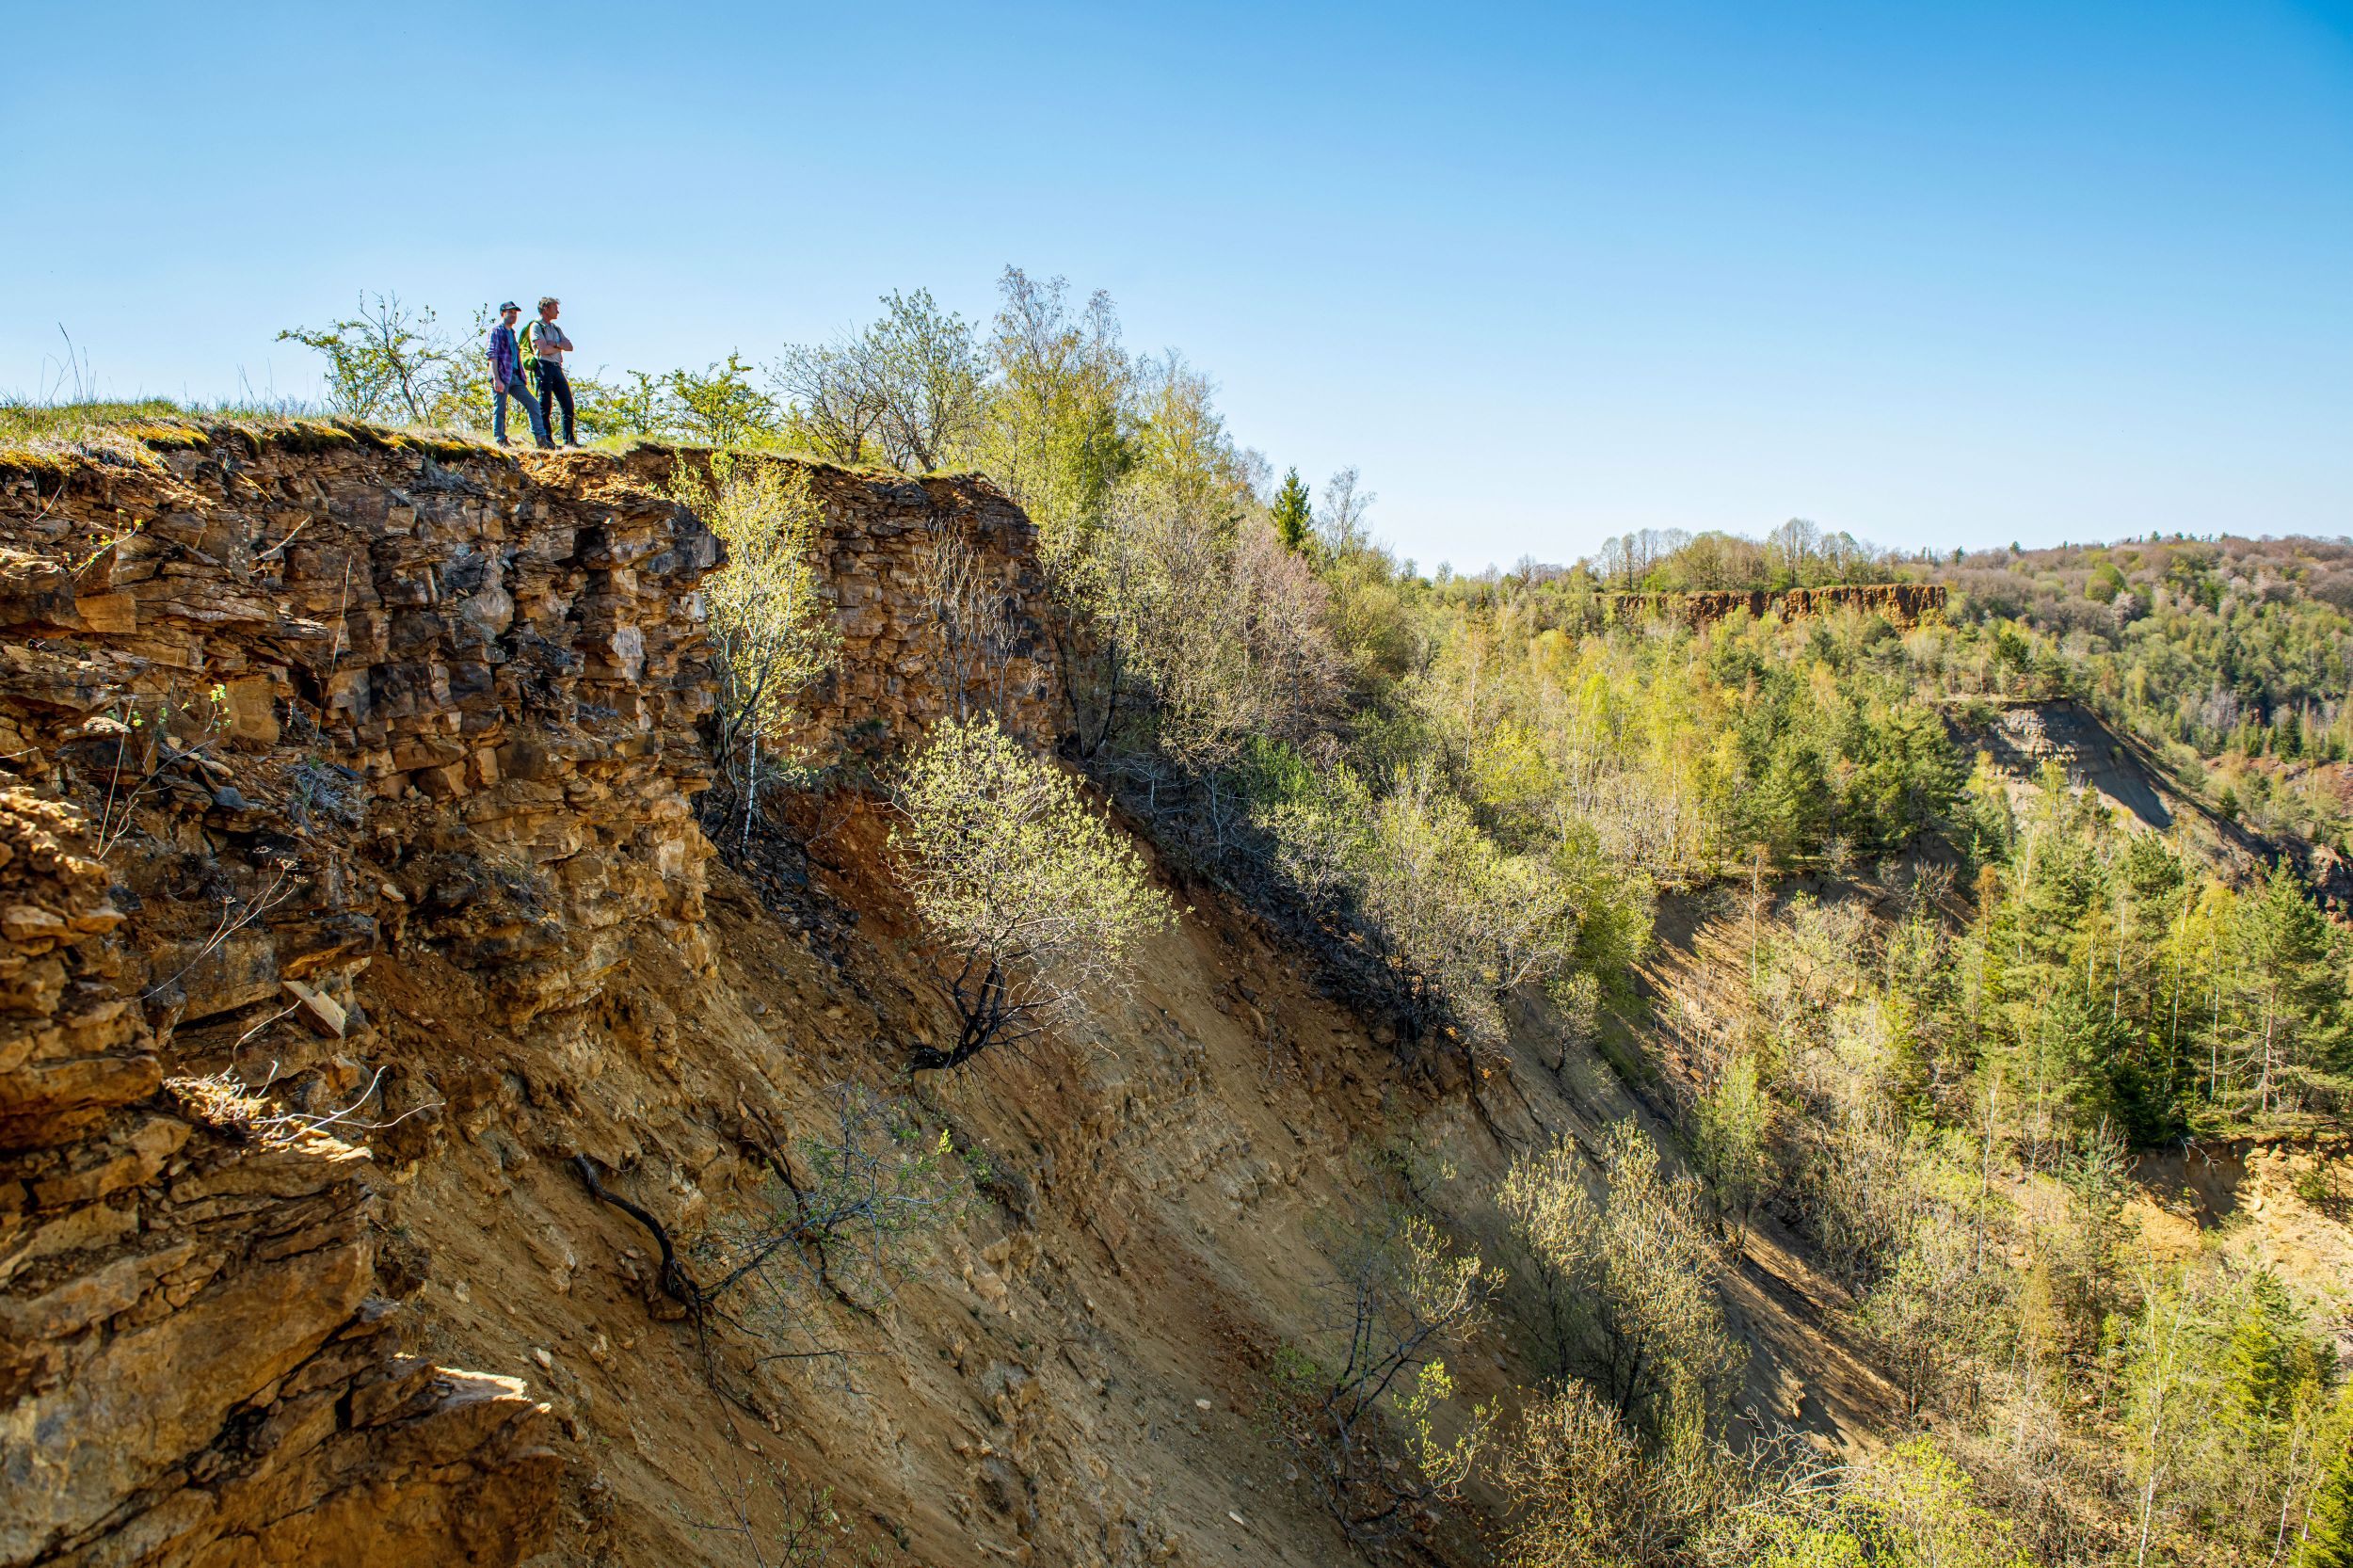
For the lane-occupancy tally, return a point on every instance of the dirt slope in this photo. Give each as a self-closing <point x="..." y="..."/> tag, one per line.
<point x="1167" y="1174"/>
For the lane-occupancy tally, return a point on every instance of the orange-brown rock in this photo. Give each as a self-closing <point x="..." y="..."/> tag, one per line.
<point x="1899" y="603"/>
<point x="274" y="703"/>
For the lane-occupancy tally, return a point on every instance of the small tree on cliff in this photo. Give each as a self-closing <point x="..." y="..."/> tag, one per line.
<point x="1033" y="896"/>
<point x="769" y="634"/>
<point x="1294" y="518"/>
<point x="388" y="362"/>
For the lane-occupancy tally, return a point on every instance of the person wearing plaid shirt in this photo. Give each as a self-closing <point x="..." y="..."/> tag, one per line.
<point x="508" y="379"/>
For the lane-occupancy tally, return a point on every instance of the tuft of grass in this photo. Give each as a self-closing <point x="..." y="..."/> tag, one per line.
<point x="307" y="435"/>
<point x="40" y="436"/>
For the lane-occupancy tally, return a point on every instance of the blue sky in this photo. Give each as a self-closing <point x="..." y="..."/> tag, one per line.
<point x="1934" y="275"/>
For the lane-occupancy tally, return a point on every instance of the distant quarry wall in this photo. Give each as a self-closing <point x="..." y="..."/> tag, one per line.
<point x="1899" y="603"/>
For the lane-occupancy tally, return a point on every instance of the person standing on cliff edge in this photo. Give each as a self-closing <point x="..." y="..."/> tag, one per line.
<point x="547" y="345"/>
<point x="508" y="379"/>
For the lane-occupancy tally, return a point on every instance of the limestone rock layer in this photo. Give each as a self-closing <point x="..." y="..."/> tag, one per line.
<point x="273" y="703"/>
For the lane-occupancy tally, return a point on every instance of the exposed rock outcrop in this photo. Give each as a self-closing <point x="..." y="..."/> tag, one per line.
<point x="911" y="566"/>
<point x="261" y="681"/>
<point x="277" y="702"/>
<point x="1901" y="603"/>
<point x="350" y="892"/>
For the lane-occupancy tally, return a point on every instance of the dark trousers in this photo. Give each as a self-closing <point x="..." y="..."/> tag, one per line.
<point x="554" y="389"/>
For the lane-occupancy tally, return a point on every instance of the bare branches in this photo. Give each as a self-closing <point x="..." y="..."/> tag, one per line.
<point x="845" y="1224"/>
<point x="906" y="387"/>
<point x="234" y="917"/>
<point x="780" y="1525"/>
<point x="224" y="1099"/>
<point x="1404" y="1299"/>
<point x="972" y="615"/>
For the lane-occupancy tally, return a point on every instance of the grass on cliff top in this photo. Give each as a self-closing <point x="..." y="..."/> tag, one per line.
<point x="26" y="426"/>
<point x="42" y="435"/>
<point x="37" y="435"/>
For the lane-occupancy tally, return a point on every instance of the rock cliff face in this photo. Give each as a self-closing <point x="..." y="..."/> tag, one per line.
<point x="1901" y="603"/>
<point x="936" y="595"/>
<point x="273" y="705"/>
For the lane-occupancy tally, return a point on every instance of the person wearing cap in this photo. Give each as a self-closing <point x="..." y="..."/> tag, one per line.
<point x="547" y="344"/>
<point x="506" y="379"/>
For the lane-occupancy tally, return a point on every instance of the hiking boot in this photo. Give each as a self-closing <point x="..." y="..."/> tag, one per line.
<point x="545" y="446"/>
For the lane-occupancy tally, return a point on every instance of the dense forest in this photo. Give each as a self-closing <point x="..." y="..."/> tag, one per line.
<point x="1965" y="1001"/>
<point x="2230" y="656"/>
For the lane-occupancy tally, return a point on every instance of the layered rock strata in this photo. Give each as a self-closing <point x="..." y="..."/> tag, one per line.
<point x="1901" y="603"/>
<point x="938" y="601"/>
<point x="274" y="702"/>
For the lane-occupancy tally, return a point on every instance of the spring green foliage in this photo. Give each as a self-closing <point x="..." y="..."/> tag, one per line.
<point x="1294" y="518"/>
<point x="1733" y="1127"/>
<point x="2327" y="1540"/>
<point x="1032" y="896"/>
<point x="1587" y="1493"/>
<point x="2228" y="644"/>
<point x="2228" y="657"/>
<point x="1469" y="921"/>
<point x="719" y="405"/>
<point x="1059" y="427"/>
<point x="2109" y="978"/>
<point x="770" y="632"/>
<point x="1365" y="1398"/>
<point x="1797" y="555"/>
<point x="392" y="363"/>
<point x="1940" y="1086"/>
<point x="1638" y="1259"/>
<point x="1466" y="792"/>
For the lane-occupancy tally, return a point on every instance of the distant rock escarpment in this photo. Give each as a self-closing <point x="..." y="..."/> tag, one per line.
<point x="1898" y="603"/>
<point x="275" y="703"/>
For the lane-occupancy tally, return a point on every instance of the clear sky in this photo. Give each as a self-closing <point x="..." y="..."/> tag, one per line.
<point x="1932" y="274"/>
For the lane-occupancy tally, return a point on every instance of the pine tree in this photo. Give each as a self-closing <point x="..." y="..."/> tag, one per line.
<point x="2329" y="1528"/>
<point x="2256" y="1362"/>
<point x="2293" y="990"/>
<point x="1293" y="516"/>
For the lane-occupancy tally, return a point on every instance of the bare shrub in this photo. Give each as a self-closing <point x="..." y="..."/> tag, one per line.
<point x="907" y="387"/>
<point x="1366" y="1410"/>
<point x="839" y="1213"/>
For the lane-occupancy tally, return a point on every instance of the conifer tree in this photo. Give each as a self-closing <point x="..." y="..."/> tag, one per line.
<point x="2329" y="1530"/>
<point x="1294" y="519"/>
<point x="2293" y="988"/>
<point x="2255" y="1363"/>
